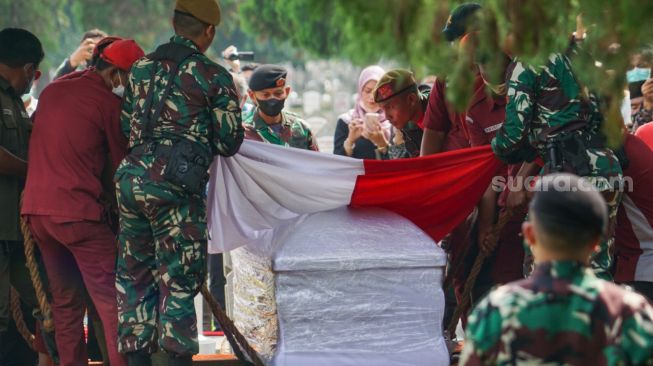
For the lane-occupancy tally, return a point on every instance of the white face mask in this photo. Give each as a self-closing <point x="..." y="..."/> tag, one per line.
<point x="120" y="89"/>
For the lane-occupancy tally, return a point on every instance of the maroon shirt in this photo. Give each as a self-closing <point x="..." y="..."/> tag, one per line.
<point x="76" y="129"/>
<point x="441" y="117"/>
<point x="485" y="116"/>
<point x="634" y="231"/>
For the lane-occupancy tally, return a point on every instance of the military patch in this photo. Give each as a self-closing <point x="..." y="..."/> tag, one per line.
<point x="281" y="82"/>
<point x="384" y="92"/>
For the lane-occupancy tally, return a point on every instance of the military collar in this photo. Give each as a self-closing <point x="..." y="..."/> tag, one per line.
<point x="259" y="123"/>
<point x="5" y="86"/>
<point x="184" y="41"/>
<point x="565" y="270"/>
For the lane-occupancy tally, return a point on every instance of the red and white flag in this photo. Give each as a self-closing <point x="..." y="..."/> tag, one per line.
<point x="264" y="187"/>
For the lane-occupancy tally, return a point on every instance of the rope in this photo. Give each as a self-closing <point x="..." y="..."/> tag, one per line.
<point x="491" y="240"/>
<point x="458" y="266"/>
<point x="18" y="319"/>
<point x="33" y="268"/>
<point x="235" y="338"/>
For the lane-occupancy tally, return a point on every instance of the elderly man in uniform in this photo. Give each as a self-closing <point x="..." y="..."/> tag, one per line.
<point x="563" y="313"/>
<point x="180" y="110"/>
<point x="404" y="106"/>
<point x="268" y="90"/>
<point x="76" y="135"/>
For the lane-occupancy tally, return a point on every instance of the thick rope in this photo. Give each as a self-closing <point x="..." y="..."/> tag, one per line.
<point x="17" y="314"/>
<point x="32" y="266"/>
<point x="491" y="240"/>
<point x="235" y="338"/>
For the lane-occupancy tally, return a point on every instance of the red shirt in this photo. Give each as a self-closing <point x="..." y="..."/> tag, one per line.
<point x="76" y="129"/>
<point x="485" y="116"/>
<point x="441" y="117"/>
<point x="634" y="232"/>
<point x="645" y="133"/>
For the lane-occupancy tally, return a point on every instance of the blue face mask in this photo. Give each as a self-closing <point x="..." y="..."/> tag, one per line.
<point x="638" y="74"/>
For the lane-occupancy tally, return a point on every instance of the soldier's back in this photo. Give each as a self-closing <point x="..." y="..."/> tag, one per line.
<point x="564" y="315"/>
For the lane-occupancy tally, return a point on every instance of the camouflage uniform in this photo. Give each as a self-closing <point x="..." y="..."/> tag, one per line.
<point x="562" y="314"/>
<point x="163" y="236"/>
<point x="291" y="132"/>
<point x="549" y="96"/>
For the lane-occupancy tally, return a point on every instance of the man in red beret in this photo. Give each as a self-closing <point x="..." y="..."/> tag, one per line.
<point x="75" y="146"/>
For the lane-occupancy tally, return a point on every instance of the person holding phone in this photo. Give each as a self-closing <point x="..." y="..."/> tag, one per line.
<point x="352" y="133"/>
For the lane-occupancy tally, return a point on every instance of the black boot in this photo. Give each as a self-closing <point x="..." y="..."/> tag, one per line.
<point x="139" y="358"/>
<point x="179" y="360"/>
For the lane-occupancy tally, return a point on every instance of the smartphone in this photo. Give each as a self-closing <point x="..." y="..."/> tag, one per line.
<point x="372" y="122"/>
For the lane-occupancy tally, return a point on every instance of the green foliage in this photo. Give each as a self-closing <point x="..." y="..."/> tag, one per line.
<point x="409" y="32"/>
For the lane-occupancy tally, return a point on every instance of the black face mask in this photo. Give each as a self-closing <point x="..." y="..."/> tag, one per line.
<point x="271" y="107"/>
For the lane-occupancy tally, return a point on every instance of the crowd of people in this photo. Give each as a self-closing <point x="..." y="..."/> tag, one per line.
<point x="120" y="144"/>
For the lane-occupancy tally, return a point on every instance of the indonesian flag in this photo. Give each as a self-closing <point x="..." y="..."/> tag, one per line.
<point x="265" y="187"/>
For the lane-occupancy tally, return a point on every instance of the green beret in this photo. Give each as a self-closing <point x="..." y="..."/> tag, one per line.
<point x="456" y="26"/>
<point x="267" y="77"/>
<point x="393" y="83"/>
<point x="207" y="11"/>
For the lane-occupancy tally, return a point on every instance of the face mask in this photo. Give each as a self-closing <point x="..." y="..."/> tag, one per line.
<point x="271" y="107"/>
<point x="120" y="89"/>
<point x="638" y="74"/>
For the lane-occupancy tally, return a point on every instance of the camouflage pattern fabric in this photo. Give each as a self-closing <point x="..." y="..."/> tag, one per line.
<point x="161" y="265"/>
<point x="412" y="136"/>
<point x="291" y="132"/>
<point x="550" y="96"/>
<point x="163" y="234"/>
<point x="562" y="315"/>
<point x="202" y="107"/>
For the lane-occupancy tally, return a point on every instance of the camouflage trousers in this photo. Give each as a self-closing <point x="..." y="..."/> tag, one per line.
<point x="161" y="265"/>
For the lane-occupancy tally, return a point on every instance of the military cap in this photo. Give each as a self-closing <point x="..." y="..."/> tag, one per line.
<point x="566" y="200"/>
<point x="393" y="83"/>
<point x="456" y="25"/>
<point x="268" y="76"/>
<point x="207" y="11"/>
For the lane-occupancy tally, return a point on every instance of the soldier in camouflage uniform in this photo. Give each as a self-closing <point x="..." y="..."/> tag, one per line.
<point x="269" y="122"/>
<point x="163" y="237"/>
<point x="563" y="313"/>
<point x="548" y="112"/>
<point x="404" y="106"/>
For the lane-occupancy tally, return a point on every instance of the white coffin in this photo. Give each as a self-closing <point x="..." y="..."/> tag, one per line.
<point x="344" y="287"/>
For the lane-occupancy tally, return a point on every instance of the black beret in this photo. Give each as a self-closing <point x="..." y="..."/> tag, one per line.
<point x="268" y="76"/>
<point x="456" y="26"/>
<point x="566" y="200"/>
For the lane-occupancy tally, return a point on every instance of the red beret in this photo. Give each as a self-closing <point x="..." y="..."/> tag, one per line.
<point x="122" y="53"/>
<point x="103" y="43"/>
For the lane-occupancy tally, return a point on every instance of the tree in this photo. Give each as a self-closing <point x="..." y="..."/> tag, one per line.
<point x="409" y="31"/>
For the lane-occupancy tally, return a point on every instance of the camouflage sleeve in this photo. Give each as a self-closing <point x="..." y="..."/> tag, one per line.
<point x="226" y="117"/>
<point x="511" y="142"/>
<point x="127" y="107"/>
<point x="483" y="335"/>
<point x="637" y="330"/>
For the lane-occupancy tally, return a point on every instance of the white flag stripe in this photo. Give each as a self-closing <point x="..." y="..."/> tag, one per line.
<point x="265" y="185"/>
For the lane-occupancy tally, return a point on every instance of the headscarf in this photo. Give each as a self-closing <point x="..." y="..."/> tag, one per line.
<point x="368" y="74"/>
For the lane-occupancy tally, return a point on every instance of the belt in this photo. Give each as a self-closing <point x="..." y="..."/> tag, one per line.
<point x="149" y="148"/>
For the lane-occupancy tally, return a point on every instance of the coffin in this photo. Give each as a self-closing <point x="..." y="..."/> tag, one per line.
<point x="343" y="287"/>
